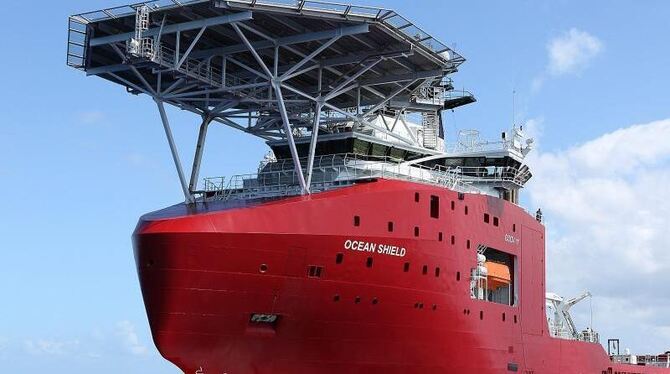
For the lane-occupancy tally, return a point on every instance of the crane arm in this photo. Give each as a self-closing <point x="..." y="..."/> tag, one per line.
<point x="575" y="300"/>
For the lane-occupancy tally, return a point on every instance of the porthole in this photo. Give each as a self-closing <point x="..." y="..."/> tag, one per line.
<point x="405" y="267"/>
<point x="375" y="301"/>
<point x="339" y="258"/>
<point x="424" y="271"/>
<point x="263" y="268"/>
<point x="336" y="298"/>
<point x="390" y="226"/>
<point x="416" y="230"/>
<point x="357" y="300"/>
<point x="368" y="262"/>
<point x="357" y="221"/>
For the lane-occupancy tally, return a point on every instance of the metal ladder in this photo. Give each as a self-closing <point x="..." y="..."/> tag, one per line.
<point x="431" y="132"/>
<point x="140" y="46"/>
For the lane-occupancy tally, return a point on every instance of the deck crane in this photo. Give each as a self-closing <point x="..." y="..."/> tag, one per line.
<point x="562" y="324"/>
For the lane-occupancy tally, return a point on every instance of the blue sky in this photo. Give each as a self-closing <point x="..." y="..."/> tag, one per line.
<point x="81" y="160"/>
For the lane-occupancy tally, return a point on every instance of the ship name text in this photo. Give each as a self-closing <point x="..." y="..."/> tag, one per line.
<point x="511" y="239"/>
<point x="379" y="248"/>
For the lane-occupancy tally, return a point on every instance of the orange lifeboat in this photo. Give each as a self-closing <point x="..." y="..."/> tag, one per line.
<point x="498" y="275"/>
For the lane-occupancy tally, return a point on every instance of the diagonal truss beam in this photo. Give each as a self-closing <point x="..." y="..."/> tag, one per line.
<point x="170" y="29"/>
<point x="284" y="41"/>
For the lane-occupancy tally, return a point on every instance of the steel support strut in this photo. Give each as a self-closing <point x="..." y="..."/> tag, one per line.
<point x="312" y="144"/>
<point x="173" y="149"/>
<point x="289" y="137"/>
<point x="197" y="157"/>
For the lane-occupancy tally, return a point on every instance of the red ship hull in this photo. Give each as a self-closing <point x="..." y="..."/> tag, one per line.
<point x="205" y="270"/>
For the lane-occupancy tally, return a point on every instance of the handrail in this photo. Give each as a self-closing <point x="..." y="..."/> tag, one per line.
<point x="278" y="178"/>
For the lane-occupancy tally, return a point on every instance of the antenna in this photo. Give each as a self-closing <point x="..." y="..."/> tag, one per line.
<point x="513" y="108"/>
<point x="591" y="307"/>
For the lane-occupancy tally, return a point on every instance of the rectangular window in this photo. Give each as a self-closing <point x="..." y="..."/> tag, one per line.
<point x="434" y="206"/>
<point x="314" y="271"/>
<point x="486" y="218"/>
<point x="496" y="221"/>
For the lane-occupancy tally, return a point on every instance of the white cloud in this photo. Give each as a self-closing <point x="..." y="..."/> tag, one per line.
<point x="572" y="51"/>
<point x="51" y="347"/>
<point x="607" y="215"/>
<point x="131" y="342"/>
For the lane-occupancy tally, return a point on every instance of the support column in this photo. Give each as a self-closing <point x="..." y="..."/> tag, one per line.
<point x="312" y="144"/>
<point x="289" y="135"/>
<point x="173" y="149"/>
<point x="197" y="158"/>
